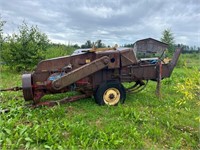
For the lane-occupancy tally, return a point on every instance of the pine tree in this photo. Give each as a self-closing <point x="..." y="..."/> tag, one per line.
<point x="167" y="37"/>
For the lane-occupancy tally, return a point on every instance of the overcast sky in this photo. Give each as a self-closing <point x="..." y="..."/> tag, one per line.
<point x="112" y="21"/>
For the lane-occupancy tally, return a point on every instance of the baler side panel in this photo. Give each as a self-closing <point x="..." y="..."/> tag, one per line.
<point x="143" y="72"/>
<point x="128" y="57"/>
<point x="114" y="57"/>
<point x="80" y="73"/>
<point x="56" y="64"/>
<point x="47" y="67"/>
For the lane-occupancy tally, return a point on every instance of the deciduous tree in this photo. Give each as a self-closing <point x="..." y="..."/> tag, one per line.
<point x="26" y="49"/>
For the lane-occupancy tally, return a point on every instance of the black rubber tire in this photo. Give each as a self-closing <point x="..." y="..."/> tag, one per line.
<point x="104" y="86"/>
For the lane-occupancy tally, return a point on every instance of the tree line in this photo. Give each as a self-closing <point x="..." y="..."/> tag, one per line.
<point x="167" y="37"/>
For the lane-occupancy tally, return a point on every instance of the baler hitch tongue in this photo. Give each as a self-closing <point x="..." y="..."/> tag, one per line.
<point x="17" y="88"/>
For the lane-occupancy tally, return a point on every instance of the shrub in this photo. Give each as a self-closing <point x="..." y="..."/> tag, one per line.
<point x="23" y="51"/>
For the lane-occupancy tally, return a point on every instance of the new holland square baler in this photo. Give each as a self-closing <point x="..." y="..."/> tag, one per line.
<point x="98" y="72"/>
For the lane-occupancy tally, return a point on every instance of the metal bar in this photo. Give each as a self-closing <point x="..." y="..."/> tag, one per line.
<point x="11" y="89"/>
<point x="159" y="78"/>
<point x="62" y="101"/>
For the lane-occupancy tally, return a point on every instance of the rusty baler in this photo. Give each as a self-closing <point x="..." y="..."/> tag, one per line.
<point x="98" y="72"/>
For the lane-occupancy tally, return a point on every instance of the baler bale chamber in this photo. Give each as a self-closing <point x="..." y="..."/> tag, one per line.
<point x="99" y="72"/>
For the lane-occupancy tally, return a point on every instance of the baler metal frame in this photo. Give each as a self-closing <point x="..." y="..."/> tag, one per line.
<point x="99" y="73"/>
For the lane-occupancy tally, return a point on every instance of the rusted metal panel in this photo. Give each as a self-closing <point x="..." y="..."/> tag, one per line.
<point x="114" y="57"/>
<point x="128" y="57"/>
<point x="59" y="63"/>
<point x="143" y="72"/>
<point x="80" y="73"/>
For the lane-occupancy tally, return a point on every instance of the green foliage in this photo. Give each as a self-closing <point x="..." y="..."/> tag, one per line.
<point x="189" y="87"/>
<point x="24" y="50"/>
<point x="1" y="29"/>
<point x="142" y="122"/>
<point x="188" y="60"/>
<point x="97" y="44"/>
<point x="88" y="44"/>
<point x="189" y="49"/>
<point x="1" y="34"/>
<point x="58" y="50"/>
<point x="167" y="37"/>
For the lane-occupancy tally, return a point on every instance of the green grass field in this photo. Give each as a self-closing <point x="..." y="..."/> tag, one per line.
<point x="142" y="122"/>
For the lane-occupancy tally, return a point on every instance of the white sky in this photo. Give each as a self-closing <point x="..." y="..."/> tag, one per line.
<point x="112" y="21"/>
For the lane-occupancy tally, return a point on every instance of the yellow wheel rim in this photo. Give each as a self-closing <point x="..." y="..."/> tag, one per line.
<point x="111" y="96"/>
